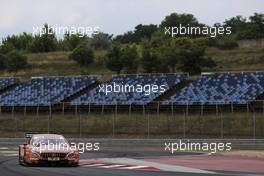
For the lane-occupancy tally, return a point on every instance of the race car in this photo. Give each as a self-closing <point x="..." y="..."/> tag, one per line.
<point x="52" y="149"/>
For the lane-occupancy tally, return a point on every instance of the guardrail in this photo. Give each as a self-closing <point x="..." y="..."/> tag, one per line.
<point x="146" y="144"/>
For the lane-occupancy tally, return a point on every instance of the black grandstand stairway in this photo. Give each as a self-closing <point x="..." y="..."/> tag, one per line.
<point x="176" y="88"/>
<point x="8" y="88"/>
<point x="79" y="93"/>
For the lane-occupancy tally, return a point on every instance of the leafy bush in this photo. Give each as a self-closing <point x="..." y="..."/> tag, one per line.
<point x="16" y="61"/>
<point x="83" y="55"/>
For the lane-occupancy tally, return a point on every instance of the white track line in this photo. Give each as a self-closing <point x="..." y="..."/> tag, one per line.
<point x="118" y="166"/>
<point x="115" y="166"/>
<point x="134" y="167"/>
<point x="164" y="167"/>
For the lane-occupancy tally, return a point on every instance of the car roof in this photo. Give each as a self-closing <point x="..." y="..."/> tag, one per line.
<point x="47" y="135"/>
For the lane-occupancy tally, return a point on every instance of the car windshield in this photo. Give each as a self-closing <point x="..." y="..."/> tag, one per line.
<point x="43" y="140"/>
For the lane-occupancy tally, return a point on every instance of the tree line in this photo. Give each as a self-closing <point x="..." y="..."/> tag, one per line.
<point x="144" y="49"/>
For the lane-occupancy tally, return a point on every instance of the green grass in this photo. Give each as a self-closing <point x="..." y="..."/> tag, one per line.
<point x="239" y="59"/>
<point x="58" y="63"/>
<point x="136" y="125"/>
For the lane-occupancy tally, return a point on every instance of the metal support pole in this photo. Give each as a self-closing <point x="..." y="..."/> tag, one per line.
<point x="129" y="111"/>
<point x="25" y="110"/>
<point x="89" y="109"/>
<point x="113" y="126"/>
<point x="254" y="125"/>
<point x="184" y="124"/>
<point x="148" y="125"/>
<point x="116" y="109"/>
<point x="232" y="107"/>
<point x="38" y="111"/>
<point x="222" y="125"/>
<point x="216" y="109"/>
<point x="158" y="108"/>
<point x="187" y="109"/>
<point x="247" y="107"/>
<point x="63" y="108"/>
<point x="16" y="123"/>
<point x="263" y="107"/>
<point x="49" y="119"/>
<point x="80" y="124"/>
<point x="172" y="109"/>
<point x="76" y="109"/>
<point x="102" y="112"/>
<point x="202" y="109"/>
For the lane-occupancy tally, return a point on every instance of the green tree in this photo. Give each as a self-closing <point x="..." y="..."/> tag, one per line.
<point x="236" y="23"/>
<point x="46" y="41"/>
<point x="101" y="41"/>
<point x="140" y="32"/>
<point x="130" y="59"/>
<point x="16" y="61"/>
<point x="170" y="56"/>
<point x="17" y="42"/>
<point x="184" y="54"/>
<point x="256" y="25"/>
<point x="3" y="61"/>
<point x="247" y="29"/>
<point x="6" y="47"/>
<point x="192" y="57"/>
<point x="176" y="19"/>
<point x="151" y="62"/>
<point x="82" y="55"/>
<point x="114" y="60"/>
<point x="72" y="41"/>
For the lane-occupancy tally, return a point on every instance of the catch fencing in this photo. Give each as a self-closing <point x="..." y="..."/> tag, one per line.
<point x="149" y="121"/>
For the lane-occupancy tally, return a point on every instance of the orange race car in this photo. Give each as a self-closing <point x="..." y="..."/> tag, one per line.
<point x="50" y="149"/>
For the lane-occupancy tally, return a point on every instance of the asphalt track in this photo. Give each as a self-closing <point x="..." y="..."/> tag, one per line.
<point x="9" y="167"/>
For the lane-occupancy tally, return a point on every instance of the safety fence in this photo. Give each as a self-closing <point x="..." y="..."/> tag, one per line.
<point x="155" y="120"/>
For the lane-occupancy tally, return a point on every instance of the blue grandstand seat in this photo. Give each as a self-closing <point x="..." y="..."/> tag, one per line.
<point x="97" y="97"/>
<point x="223" y="88"/>
<point x="45" y="91"/>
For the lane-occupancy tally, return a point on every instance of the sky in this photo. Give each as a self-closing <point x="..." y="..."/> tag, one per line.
<point x="114" y="16"/>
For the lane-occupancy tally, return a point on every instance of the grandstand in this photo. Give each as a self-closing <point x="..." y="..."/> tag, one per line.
<point x="221" y="88"/>
<point x="45" y="91"/>
<point x="95" y="97"/>
<point x="207" y="89"/>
